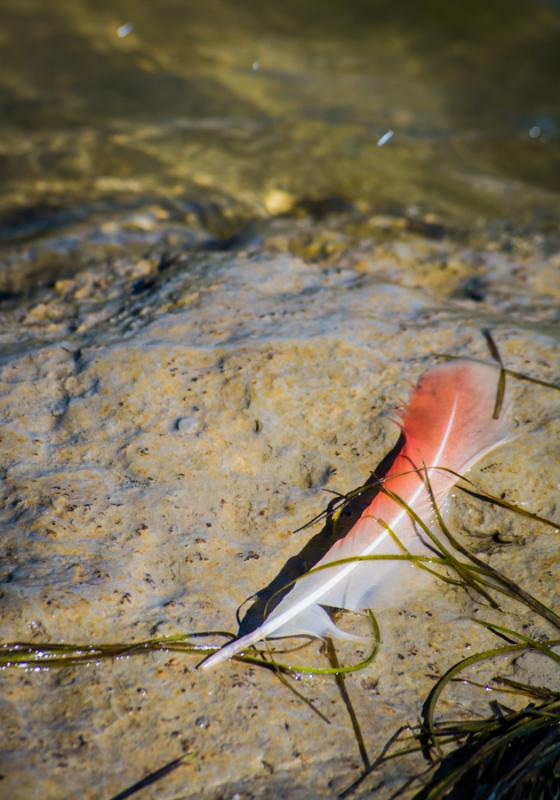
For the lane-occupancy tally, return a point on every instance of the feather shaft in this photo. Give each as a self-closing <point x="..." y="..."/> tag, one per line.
<point x="448" y="424"/>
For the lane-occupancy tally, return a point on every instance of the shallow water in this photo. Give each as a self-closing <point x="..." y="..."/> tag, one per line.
<point x="110" y="104"/>
<point x="231" y="238"/>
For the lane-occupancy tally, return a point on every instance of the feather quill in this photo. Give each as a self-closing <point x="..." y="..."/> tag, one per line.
<point x="448" y="424"/>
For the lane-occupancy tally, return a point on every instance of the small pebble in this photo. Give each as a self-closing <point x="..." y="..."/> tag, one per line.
<point x="124" y="30"/>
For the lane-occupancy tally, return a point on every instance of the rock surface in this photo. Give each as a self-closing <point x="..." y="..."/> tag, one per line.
<point x="164" y="432"/>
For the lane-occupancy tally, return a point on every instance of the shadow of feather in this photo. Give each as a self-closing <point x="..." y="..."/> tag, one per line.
<point x="268" y="598"/>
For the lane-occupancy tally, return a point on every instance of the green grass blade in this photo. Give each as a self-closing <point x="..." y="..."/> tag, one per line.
<point x="501" y="389"/>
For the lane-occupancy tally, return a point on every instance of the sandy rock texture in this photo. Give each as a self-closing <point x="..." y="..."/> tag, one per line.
<point x="161" y="441"/>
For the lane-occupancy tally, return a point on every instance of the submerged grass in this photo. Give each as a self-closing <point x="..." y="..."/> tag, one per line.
<point x="45" y="655"/>
<point x="521" y="376"/>
<point x="509" y="755"/>
<point x="482" y="748"/>
<point x="514" y="755"/>
<point x="30" y="655"/>
<point x="153" y="777"/>
<point x="501" y="388"/>
<point x="340" y="680"/>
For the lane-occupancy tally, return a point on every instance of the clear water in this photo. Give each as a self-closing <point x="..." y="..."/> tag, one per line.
<point x="178" y="389"/>
<point x="104" y="104"/>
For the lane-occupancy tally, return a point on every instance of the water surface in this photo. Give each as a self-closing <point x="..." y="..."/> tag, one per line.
<point x="232" y="237"/>
<point x="104" y="104"/>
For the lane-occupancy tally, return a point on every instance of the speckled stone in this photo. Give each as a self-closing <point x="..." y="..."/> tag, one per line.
<point x="157" y="459"/>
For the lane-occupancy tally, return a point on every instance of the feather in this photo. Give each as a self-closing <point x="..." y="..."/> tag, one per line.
<point x="448" y="423"/>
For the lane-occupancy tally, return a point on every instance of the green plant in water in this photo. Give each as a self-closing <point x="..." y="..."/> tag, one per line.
<point x="511" y="755"/>
<point x="473" y="740"/>
<point x="514" y="755"/>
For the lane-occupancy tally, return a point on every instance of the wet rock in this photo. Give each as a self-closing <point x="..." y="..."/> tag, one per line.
<point x="156" y="459"/>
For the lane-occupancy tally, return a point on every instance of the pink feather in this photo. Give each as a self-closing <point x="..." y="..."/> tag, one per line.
<point x="449" y="424"/>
